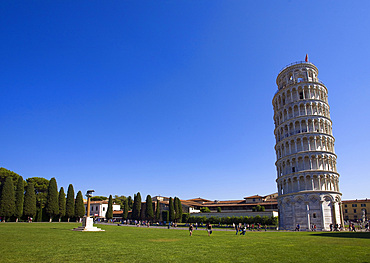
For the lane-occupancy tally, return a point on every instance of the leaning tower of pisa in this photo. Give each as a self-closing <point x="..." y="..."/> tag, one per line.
<point x="307" y="177"/>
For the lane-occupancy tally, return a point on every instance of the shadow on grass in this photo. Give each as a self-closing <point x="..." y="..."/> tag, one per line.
<point x="365" y="235"/>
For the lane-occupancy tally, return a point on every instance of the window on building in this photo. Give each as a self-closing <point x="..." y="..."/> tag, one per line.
<point x="354" y="211"/>
<point x="293" y="169"/>
<point x="314" y="215"/>
<point x="363" y="205"/>
<point x="301" y="95"/>
<point x="345" y="205"/>
<point x="103" y="208"/>
<point x="300" y="79"/>
<point x="345" y="211"/>
<point x="254" y="199"/>
<point x="354" y="205"/>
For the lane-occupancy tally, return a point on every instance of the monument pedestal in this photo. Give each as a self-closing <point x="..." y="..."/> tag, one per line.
<point x="87" y="225"/>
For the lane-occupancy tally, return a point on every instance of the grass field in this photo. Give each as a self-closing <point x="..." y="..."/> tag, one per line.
<point x="55" y="242"/>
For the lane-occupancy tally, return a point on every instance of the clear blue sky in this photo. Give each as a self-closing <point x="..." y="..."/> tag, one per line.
<point x="174" y="97"/>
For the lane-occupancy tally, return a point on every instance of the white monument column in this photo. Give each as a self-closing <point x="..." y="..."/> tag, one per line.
<point x="87" y="221"/>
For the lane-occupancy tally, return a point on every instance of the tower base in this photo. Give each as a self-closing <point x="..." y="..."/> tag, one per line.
<point x="306" y="210"/>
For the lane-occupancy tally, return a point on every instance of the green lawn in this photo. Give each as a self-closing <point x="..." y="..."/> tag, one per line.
<point x="55" y="242"/>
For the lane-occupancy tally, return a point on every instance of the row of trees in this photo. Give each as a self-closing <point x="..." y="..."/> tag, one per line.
<point x="37" y="198"/>
<point x="148" y="211"/>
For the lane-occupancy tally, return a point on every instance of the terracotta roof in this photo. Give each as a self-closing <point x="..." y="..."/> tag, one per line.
<point x="190" y="203"/>
<point x="226" y="202"/>
<point x="117" y="212"/>
<point x="240" y="204"/>
<point x="253" y="196"/>
<point x="199" y="199"/>
<point x="357" y="200"/>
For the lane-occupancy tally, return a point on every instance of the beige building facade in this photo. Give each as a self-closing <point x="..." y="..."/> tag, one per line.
<point x="356" y="210"/>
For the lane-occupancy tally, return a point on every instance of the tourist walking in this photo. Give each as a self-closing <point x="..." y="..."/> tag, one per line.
<point x="209" y="229"/>
<point x="191" y="228"/>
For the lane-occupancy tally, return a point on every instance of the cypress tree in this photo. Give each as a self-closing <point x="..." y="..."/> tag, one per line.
<point x="158" y="212"/>
<point x="178" y="208"/>
<point x="175" y="207"/>
<point x="171" y="210"/>
<point x="19" y="199"/>
<point x="149" y="214"/>
<point x="62" y="203"/>
<point x="165" y="216"/>
<point x="137" y="207"/>
<point x="29" y="206"/>
<point x="109" y="213"/>
<point x="79" y="206"/>
<point x="130" y="202"/>
<point x="52" y="205"/>
<point x="125" y="209"/>
<point x="7" y="199"/>
<point x="70" y="202"/>
<point x="133" y="212"/>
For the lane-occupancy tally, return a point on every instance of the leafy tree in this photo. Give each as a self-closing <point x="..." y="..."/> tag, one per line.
<point x="52" y="205"/>
<point x="185" y="218"/>
<point x="62" y="203"/>
<point x="125" y="209"/>
<point x="158" y="211"/>
<point x="29" y="206"/>
<point x="7" y="199"/>
<point x="171" y="210"/>
<point x="19" y="198"/>
<point x="79" y="206"/>
<point x="70" y="202"/>
<point x="119" y="200"/>
<point x="149" y="214"/>
<point x="98" y="198"/>
<point x="5" y="173"/>
<point x="205" y="210"/>
<point x="219" y="209"/>
<point x="178" y="208"/>
<point x="109" y="213"/>
<point x="39" y="214"/>
<point x="41" y="187"/>
<point x="130" y="202"/>
<point x="137" y="207"/>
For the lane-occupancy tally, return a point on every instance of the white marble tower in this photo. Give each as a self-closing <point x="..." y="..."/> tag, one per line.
<point x="307" y="178"/>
